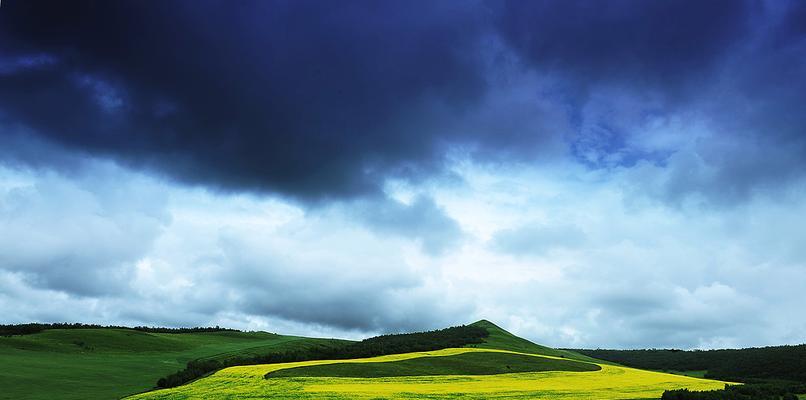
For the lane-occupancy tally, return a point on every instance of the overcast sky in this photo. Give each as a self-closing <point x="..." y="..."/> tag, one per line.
<point x="618" y="174"/>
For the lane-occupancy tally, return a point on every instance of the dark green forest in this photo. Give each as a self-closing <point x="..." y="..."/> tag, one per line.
<point x="769" y="373"/>
<point x="737" y="365"/>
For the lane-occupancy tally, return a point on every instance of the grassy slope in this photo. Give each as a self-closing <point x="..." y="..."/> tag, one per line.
<point x="502" y="340"/>
<point x="481" y="363"/>
<point x="111" y="363"/>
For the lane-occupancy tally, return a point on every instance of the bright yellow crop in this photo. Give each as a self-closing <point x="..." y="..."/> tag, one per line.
<point x="611" y="382"/>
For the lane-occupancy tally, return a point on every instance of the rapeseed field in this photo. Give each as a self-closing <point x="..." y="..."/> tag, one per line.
<point x="611" y="382"/>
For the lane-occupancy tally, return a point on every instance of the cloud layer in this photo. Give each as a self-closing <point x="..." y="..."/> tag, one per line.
<point x="328" y="100"/>
<point x="587" y="174"/>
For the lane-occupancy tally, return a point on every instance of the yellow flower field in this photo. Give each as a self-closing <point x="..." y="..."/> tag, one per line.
<point x="611" y="382"/>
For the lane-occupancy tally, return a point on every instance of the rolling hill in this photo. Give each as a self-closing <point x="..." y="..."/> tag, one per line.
<point x="477" y="361"/>
<point x="501" y="366"/>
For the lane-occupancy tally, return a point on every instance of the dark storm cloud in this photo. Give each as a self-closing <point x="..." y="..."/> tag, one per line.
<point x="320" y="100"/>
<point x="756" y="130"/>
<point x="305" y="98"/>
<point x="737" y="68"/>
<point x="664" y="43"/>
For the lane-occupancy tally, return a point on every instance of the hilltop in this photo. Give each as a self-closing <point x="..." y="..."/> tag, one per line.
<point x="501" y="339"/>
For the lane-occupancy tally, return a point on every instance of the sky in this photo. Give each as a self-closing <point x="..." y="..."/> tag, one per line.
<point x="612" y="174"/>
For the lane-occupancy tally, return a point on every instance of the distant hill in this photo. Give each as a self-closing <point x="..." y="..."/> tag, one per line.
<point x="27" y="329"/>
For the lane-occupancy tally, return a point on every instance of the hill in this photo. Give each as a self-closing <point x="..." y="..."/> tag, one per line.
<point x="476" y="363"/>
<point x="480" y="360"/>
<point x="499" y="365"/>
<point x="256" y="381"/>
<point x="109" y="363"/>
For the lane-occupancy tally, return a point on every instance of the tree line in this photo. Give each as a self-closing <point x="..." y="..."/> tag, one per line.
<point x="739" y="365"/>
<point x="28" y="329"/>
<point x="458" y="336"/>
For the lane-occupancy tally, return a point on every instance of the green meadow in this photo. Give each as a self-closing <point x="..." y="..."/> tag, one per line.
<point x="112" y="363"/>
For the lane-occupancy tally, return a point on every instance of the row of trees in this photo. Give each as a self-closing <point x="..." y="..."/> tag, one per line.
<point x="742" y="365"/>
<point x="27" y="329"/>
<point x="376" y="346"/>
<point x="768" y="391"/>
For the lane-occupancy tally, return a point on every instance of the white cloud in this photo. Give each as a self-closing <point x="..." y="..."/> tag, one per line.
<point x="611" y="266"/>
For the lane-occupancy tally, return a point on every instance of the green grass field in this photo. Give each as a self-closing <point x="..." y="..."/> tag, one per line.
<point x="112" y="363"/>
